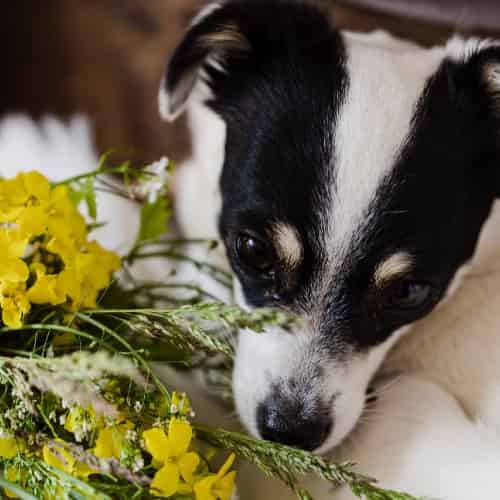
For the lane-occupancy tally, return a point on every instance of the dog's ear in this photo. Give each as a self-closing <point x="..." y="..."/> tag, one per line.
<point x="213" y="36"/>
<point x="473" y="72"/>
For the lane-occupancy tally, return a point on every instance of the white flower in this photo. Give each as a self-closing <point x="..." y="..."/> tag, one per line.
<point x="155" y="183"/>
<point x="131" y="435"/>
<point x="138" y="464"/>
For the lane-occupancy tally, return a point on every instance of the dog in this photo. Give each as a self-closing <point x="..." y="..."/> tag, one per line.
<point x="352" y="179"/>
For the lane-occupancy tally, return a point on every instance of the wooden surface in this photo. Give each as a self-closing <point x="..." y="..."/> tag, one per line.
<point x="106" y="57"/>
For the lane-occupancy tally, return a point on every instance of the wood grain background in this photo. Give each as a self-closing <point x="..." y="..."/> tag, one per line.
<point x="106" y="57"/>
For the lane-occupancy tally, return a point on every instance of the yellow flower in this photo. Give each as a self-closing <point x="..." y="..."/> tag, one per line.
<point x="33" y="221"/>
<point x="12" y="248"/>
<point x="86" y="272"/>
<point x="81" y="421"/>
<point x="14" y="303"/>
<point x="12" y="199"/>
<point x="36" y="187"/>
<point x="9" y="447"/>
<point x="62" y="459"/>
<point x="27" y="189"/>
<point x="218" y="486"/>
<point x="47" y="288"/>
<point x="106" y="263"/>
<point x="110" y="441"/>
<point x="46" y="222"/>
<point x="171" y="453"/>
<point x="65" y="222"/>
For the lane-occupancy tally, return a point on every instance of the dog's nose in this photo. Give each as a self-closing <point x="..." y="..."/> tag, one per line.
<point x="285" y="426"/>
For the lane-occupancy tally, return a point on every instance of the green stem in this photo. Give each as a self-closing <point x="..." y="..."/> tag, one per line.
<point x="219" y="274"/>
<point x="129" y="347"/>
<point x="59" y="329"/>
<point x="47" y="422"/>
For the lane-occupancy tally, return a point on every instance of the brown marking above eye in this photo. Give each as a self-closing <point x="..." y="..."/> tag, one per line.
<point x="393" y="267"/>
<point x="228" y="37"/>
<point x="288" y="245"/>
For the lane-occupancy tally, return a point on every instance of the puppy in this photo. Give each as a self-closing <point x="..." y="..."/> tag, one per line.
<point x="352" y="179"/>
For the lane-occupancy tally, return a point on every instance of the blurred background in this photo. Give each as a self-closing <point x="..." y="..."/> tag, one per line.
<point x="105" y="58"/>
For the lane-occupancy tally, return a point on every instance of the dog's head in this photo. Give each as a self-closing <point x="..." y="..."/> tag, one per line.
<point x="356" y="177"/>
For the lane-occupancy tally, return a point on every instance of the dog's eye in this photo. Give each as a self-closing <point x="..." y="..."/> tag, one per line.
<point x="254" y="254"/>
<point x="408" y="295"/>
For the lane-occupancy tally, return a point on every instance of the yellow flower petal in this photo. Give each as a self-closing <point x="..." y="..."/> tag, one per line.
<point x="224" y="487"/>
<point x="180" y="434"/>
<point x="66" y="461"/>
<point x="166" y="481"/>
<point x="227" y="465"/>
<point x="46" y="290"/>
<point x="8" y="447"/>
<point x="33" y="221"/>
<point x="12" y="243"/>
<point x="83" y="471"/>
<point x="36" y="185"/>
<point x="15" y="271"/>
<point x="203" y="488"/>
<point x="14" y="304"/>
<point x="218" y="486"/>
<point x="110" y="440"/>
<point x="105" y="445"/>
<point x="12" y="248"/>
<point x="184" y="489"/>
<point x="157" y="444"/>
<point x="187" y="465"/>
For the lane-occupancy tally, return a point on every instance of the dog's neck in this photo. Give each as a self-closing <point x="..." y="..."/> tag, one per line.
<point x="487" y="256"/>
<point x="458" y="345"/>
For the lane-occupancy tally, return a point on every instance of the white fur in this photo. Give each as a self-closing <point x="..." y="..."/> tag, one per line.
<point x="205" y="12"/>
<point x="461" y="49"/>
<point x="198" y="199"/>
<point x="369" y="135"/>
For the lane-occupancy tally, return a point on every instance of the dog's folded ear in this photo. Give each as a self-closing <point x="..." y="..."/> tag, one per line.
<point x="212" y="38"/>
<point x="475" y="74"/>
<point x="231" y="40"/>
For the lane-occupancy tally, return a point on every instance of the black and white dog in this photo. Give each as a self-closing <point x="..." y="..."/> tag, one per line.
<point x="352" y="179"/>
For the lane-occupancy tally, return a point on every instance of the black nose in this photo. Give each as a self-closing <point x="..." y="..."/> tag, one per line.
<point x="288" y="425"/>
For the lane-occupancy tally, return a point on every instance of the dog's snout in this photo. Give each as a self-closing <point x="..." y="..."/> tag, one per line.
<point x="290" y="426"/>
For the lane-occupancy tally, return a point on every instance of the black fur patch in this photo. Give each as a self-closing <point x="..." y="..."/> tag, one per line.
<point x="280" y="103"/>
<point x="433" y="205"/>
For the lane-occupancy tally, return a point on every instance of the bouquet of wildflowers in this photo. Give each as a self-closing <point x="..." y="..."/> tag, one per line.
<point x="83" y="415"/>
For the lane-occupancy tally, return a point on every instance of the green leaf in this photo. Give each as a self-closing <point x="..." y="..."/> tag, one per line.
<point x="84" y="190"/>
<point x="88" y="191"/>
<point x="75" y="195"/>
<point x="154" y="219"/>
